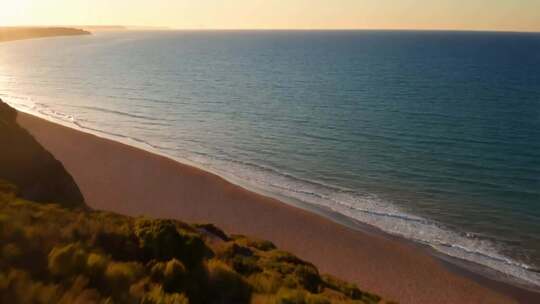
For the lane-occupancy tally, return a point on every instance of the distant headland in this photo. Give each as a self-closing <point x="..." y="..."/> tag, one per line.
<point x="99" y="28"/>
<point x="94" y="28"/>
<point x="19" y="33"/>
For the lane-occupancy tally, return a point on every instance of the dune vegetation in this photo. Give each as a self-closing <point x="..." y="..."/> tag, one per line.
<point x="53" y="254"/>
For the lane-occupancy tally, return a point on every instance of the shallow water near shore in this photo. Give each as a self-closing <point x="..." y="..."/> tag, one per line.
<point x="432" y="136"/>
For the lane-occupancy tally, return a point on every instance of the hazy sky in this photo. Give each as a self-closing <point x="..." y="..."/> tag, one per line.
<point x="518" y="15"/>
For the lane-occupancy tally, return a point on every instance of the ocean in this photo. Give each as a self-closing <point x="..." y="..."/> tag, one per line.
<point x="431" y="136"/>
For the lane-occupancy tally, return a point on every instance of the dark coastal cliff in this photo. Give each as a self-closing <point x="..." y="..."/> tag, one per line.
<point x="35" y="172"/>
<point x="19" y="33"/>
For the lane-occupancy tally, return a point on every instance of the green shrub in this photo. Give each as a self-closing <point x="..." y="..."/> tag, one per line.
<point x="308" y="277"/>
<point x="67" y="260"/>
<point x="266" y="282"/>
<point x="242" y="259"/>
<point x="174" y="274"/>
<point x="157" y="271"/>
<point x="157" y="295"/>
<point x="162" y="241"/>
<point x="96" y="265"/>
<point x="317" y="299"/>
<point x="245" y="265"/>
<point x="290" y="296"/>
<point x="8" y="191"/>
<point x="227" y="286"/>
<point x="298" y="296"/>
<point x="230" y="250"/>
<point x="159" y="238"/>
<point x="212" y="229"/>
<point x="121" y="245"/>
<point x="79" y="292"/>
<point x="286" y="257"/>
<point x="120" y="275"/>
<point x="11" y="253"/>
<point x="348" y="289"/>
<point x="19" y="287"/>
<point x="256" y="243"/>
<point x="194" y="249"/>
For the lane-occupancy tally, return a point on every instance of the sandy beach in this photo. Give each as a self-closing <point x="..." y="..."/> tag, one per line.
<point x="120" y="178"/>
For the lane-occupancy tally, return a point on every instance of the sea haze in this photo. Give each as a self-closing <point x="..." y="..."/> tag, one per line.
<point x="433" y="136"/>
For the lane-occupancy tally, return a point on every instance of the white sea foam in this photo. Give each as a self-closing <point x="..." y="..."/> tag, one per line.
<point x="371" y="210"/>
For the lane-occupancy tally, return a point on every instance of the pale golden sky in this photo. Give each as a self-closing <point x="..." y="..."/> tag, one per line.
<point x="512" y="15"/>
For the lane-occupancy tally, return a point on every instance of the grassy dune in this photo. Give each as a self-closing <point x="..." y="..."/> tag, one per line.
<point x="51" y="254"/>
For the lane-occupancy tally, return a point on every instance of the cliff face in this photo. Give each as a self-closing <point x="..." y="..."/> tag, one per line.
<point x="25" y="163"/>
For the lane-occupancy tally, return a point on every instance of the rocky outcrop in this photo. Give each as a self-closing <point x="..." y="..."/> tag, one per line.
<point x="25" y="163"/>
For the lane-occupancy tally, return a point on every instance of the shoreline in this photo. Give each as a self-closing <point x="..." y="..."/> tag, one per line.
<point x="490" y="272"/>
<point x="478" y="271"/>
<point x="419" y="276"/>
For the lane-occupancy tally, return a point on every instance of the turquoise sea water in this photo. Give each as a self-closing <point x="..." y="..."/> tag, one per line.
<point x="433" y="136"/>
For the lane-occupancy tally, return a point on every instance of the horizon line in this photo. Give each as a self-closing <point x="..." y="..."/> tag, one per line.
<point x="168" y="28"/>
